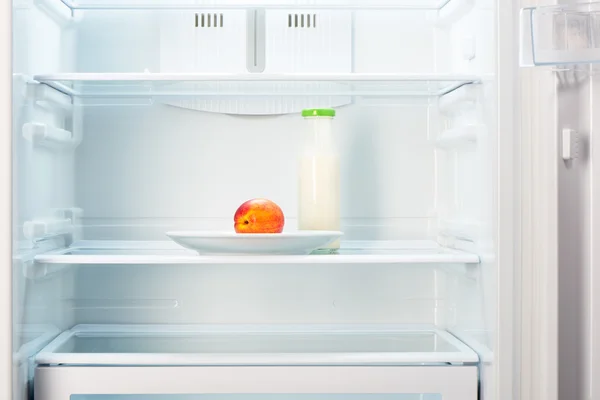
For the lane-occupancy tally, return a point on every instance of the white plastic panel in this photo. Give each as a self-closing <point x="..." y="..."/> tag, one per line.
<point x="255" y="41"/>
<point x="408" y="43"/>
<point x="324" y="47"/>
<point x="189" y="45"/>
<point x="453" y="383"/>
<point x="342" y="41"/>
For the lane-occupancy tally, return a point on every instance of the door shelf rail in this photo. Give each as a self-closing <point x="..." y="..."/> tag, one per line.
<point x="167" y="253"/>
<point x="560" y="34"/>
<point x="214" y="86"/>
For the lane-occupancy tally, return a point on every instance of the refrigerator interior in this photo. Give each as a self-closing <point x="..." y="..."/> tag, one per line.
<point x="133" y="118"/>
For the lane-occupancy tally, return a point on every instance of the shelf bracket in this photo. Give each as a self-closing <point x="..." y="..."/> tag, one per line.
<point x="57" y="10"/>
<point x="44" y="135"/>
<point x="463" y="97"/>
<point x="458" y="137"/>
<point x="36" y="271"/>
<point x="64" y="222"/>
<point x="48" y="97"/>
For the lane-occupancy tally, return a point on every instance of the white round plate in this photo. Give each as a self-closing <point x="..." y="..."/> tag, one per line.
<point x="230" y="243"/>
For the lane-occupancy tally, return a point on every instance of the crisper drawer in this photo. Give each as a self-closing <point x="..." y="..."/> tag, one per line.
<point x="115" y="362"/>
<point x="245" y="383"/>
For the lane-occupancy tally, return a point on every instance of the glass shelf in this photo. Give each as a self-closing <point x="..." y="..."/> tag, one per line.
<point x="145" y="253"/>
<point x="560" y="34"/>
<point x="215" y="86"/>
<point x="196" y="345"/>
<point x="244" y="4"/>
<point x="287" y="396"/>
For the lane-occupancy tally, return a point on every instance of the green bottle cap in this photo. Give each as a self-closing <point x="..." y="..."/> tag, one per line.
<point x="318" y="112"/>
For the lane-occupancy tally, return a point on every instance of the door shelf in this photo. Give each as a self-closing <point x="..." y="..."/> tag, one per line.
<point x="211" y="345"/>
<point x="560" y="34"/>
<point x="215" y="86"/>
<point x="246" y="4"/>
<point x="144" y="253"/>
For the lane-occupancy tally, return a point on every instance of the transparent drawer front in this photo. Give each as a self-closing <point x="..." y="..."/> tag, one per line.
<point x="411" y="396"/>
<point x="243" y="345"/>
<point x="256" y="383"/>
<point x="554" y="35"/>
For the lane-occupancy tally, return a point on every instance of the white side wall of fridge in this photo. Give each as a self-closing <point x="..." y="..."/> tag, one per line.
<point x="7" y="367"/>
<point x="131" y="118"/>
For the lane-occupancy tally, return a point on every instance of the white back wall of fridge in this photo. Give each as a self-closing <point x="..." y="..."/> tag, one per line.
<point x="389" y="184"/>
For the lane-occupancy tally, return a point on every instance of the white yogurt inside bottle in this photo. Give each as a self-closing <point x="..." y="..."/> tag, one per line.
<point x="319" y="176"/>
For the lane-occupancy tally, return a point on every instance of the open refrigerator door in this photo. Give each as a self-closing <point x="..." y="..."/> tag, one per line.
<point x="560" y="49"/>
<point x="561" y="44"/>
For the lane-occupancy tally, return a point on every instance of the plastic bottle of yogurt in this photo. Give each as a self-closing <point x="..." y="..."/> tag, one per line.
<point x="319" y="176"/>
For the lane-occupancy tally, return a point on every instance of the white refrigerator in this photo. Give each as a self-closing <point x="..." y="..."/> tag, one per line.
<point x="464" y="182"/>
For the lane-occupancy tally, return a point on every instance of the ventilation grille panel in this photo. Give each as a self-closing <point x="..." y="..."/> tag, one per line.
<point x="208" y="20"/>
<point x="302" y="20"/>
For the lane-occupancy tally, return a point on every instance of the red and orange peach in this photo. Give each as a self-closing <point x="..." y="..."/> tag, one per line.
<point x="259" y="216"/>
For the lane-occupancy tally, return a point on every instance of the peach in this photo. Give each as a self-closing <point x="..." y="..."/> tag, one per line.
<point x="259" y="216"/>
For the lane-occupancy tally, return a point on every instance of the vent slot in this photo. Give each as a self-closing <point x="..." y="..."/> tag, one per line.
<point x="206" y="20"/>
<point x="302" y="20"/>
